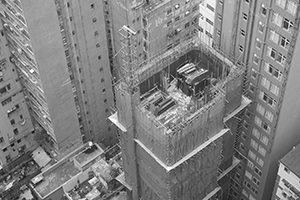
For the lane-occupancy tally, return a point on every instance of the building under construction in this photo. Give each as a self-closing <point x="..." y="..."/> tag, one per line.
<point x="178" y="113"/>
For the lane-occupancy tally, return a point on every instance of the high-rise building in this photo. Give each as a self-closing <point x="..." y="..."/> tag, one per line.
<point x="60" y="52"/>
<point x="287" y="185"/>
<point x="15" y="121"/>
<point x="264" y="35"/>
<point x="206" y="21"/>
<point x="178" y="102"/>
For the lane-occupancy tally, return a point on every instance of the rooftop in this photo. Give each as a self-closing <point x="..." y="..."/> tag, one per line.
<point x="182" y="96"/>
<point x="88" y="154"/>
<point x="292" y="160"/>
<point x="55" y="178"/>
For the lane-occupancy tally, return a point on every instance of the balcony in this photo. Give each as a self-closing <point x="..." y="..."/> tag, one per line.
<point x="22" y="58"/>
<point x="11" y="12"/>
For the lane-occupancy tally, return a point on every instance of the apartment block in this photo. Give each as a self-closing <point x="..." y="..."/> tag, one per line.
<point x="287" y="185"/>
<point x="264" y="35"/>
<point x="207" y="20"/>
<point x="178" y="102"/>
<point x="15" y="121"/>
<point x="60" y="52"/>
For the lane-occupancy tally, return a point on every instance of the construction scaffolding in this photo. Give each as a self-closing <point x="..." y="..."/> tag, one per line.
<point x="173" y="106"/>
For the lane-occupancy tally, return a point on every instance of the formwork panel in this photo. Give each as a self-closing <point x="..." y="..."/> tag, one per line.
<point x="198" y="130"/>
<point x="152" y="172"/>
<point x="197" y="176"/>
<point x="233" y="90"/>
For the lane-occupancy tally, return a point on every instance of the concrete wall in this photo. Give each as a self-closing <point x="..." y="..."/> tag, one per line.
<point x="93" y="69"/>
<point x="46" y="40"/>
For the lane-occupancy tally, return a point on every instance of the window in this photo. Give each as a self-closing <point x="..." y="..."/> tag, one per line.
<point x="208" y="34"/>
<point x="274" y="89"/>
<point x="99" y="57"/>
<point x="266" y="127"/>
<point x="264" y="139"/>
<point x="210" y="22"/>
<point x="1" y="139"/>
<point x="248" y="185"/>
<point x="254" y="190"/>
<point x="257" y="171"/>
<point x="12" y="122"/>
<point x="291" y="7"/>
<point x="6" y="101"/>
<point x="245" y="16"/>
<point x="274" y="36"/>
<point x="210" y="7"/>
<point x="102" y="80"/>
<point x="253" y="144"/>
<point x="187" y="25"/>
<point x="284" y="42"/>
<point x="237" y="175"/>
<point x="260" y="109"/>
<point x="263" y="9"/>
<point x="277" y="19"/>
<point x="261" y="27"/>
<point x="255" y="133"/>
<point x="221" y="2"/>
<point x="241" y="48"/>
<point x="247" y="1"/>
<point x="286" y="169"/>
<point x="260" y="161"/>
<point x="281" y="59"/>
<point x="251" y="155"/>
<point x="177" y="18"/>
<point x="247" y="113"/>
<point x="267" y="99"/>
<point x="251" y="87"/>
<point x="8" y="158"/>
<point x="281" y="3"/>
<point x="261" y="150"/>
<point x="219" y="17"/>
<point x="250" y="164"/>
<point x="248" y="174"/>
<point x="273" y="71"/>
<point x="271" y="52"/>
<point x="287" y="24"/>
<point x="257" y="121"/>
<point x="98" y="45"/>
<point x="243" y="134"/>
<point x="255" y="58"/>
<point x="177" y="6"/>
<point x="258" y="43"/>
<point x="195" y="8"/>
<point x="169" y="12"/>
<point x="253" y="73"/>
<point x="269" y="116"/>
<point x="96" y="33"/>
<point x="243" y="33"/>
<point x="242" y="147"/>
<point x="94" y="20"/>
<point x="265" y="82"/>
<point x="169" y="23"/>
<point x="92" y="6"/>
<point x="16" y="132"/>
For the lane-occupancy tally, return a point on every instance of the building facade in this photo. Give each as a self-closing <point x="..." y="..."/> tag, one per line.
<point x="207" y="20"/>
<point x="264" y="35"/>
<point x="15" y="122"/>
<point x="287" y="185"/>
<point x="154" y="42"/>
<point x="62" y="60"/>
